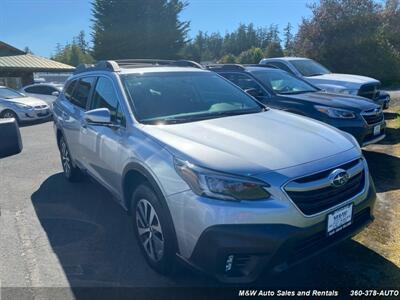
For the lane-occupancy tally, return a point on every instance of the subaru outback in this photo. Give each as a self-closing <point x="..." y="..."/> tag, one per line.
<point x="209" y="175"/>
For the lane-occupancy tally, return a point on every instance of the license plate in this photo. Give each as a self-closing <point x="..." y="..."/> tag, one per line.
<point x="377" y="129"/>
<point x="339" y="219"/>
<point x="43" y="113"/>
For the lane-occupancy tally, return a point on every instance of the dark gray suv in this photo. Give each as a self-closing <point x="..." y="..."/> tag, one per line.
<point x="278" y="89"/>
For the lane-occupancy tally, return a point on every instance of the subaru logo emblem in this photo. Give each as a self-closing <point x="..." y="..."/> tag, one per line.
<point x="339" y="177"/>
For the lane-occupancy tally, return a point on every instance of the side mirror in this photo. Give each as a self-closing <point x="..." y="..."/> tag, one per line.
<point x="55" y="93"/>
<point x="253" y="92"/>
<point x="10" y="138"/>
<point x="99" y="116"/>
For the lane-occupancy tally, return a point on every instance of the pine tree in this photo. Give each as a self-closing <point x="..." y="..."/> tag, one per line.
<point x="138" y="29"/>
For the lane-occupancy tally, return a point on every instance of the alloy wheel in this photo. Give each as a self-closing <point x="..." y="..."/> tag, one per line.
<point x="8" y="115"/>
<point x="149" y="230"/>
<point x="65" y="159"/>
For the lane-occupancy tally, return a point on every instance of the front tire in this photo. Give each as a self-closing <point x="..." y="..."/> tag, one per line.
<point x="71" y="172"/>
<point x="8" y="114"/>
<point x="154" y="230"/>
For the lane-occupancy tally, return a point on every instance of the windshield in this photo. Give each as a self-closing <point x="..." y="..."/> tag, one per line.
<point x="7" y="93"/>
<point x="185" y="97"/>
<point x="283" y="83"/>
<point x="308" y="67"/>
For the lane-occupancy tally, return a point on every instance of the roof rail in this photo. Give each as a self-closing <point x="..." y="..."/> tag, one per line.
<point x="226" y="66"/>
<point x="115" y="65"/>
<point x="103" y="65"/>
<point x="135" y="63"/>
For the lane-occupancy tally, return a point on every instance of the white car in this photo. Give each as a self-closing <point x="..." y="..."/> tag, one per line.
<point x="47" y="92"/>
<point x="321" y="77"/>
<point x="14" y="104"/>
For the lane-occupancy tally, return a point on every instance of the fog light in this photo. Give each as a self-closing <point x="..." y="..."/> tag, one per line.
<point x="229" y="262"/>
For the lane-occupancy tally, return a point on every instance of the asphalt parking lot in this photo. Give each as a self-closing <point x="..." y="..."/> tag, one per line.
<point x="57" y="234"/>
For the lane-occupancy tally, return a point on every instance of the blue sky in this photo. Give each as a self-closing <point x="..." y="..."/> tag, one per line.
<point x="41" y="24"/>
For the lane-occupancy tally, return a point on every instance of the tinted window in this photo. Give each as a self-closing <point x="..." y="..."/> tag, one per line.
<point x="245" y="82"/>
<point x="283" y="83"/>
<point x="104" y="96"/>
<point x="185" y="97"/>
<point x="40" y="89"/>
<point x="82" y="91"/>
<point x="280" y="65"/>
<point x="70" y="89"/>
<point x="308" y="67"/>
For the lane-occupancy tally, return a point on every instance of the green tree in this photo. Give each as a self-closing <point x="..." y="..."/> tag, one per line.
<point x="251" y="56"/>
<point x="138" y="29"/>
<point x="289" y="40"/>
<point x="27" y="50"/>
<point x="74" y="53"/>
<point x="353" y="36"/>
<point x="228" y="59"/>
<point x="274" y="49"/>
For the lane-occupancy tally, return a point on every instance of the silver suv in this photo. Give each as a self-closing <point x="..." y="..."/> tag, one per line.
<point x="209" y="175"/>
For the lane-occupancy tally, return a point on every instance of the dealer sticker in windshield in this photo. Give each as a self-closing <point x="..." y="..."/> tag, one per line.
<point x="339" y="219"/>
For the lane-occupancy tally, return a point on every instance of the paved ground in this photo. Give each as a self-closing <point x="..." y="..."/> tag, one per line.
<point x="57" y="234"/>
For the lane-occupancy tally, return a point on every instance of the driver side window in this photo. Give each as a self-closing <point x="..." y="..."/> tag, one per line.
<point x="104" y="96"/>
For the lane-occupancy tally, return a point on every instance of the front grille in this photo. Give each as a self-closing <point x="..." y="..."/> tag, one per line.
<point x="370" y="90"/>
<point x="373" y="116"/>
<point x="314" y="200"/>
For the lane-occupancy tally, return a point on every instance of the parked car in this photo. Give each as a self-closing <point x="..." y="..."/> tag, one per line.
<point x="47" y="92"/>
<point x="208" y="174"/>
<point x="16" y="105"/>
<point x="278" y="89"/>
<point x="10" y="138"/>
<point x="321" y="77"/>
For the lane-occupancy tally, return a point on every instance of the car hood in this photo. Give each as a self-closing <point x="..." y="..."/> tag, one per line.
<point x="353" y="103"/>
<point x="344" y="80"/>
<point x="251" y="144"/>
<point x="32" y="101"/>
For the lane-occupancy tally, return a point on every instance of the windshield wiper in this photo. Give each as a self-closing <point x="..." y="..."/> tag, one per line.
<point x="297" y="92"/>
<point x="193" y="118"/>
<point x="315" y="74"/>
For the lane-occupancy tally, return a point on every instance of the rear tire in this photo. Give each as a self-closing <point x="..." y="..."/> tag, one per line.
<point x="71" y="172"/>
<point x="154" y="230"/>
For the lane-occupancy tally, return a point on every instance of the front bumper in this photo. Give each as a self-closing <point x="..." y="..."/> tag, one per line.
<point x="253" y="248"/>
<point x="363" y="132"/>
<point x="33" y="115"/>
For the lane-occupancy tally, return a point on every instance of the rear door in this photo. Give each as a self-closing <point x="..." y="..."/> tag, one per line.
<point x="73" y="113"/>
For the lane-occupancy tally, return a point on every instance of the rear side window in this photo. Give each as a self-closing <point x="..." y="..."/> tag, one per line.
<point x="40" y="89"/>
<point x="280" y="65"/>
<point x="104" y="96"/>
<point x="70" y="89"/>
<point x="82" y="91"/>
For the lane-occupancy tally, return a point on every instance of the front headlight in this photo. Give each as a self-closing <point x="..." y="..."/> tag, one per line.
<point x="205" y="182"/>
<point x="23" y="106"/>
<point x="350" y="92"/>
<point x="336" y="112"/>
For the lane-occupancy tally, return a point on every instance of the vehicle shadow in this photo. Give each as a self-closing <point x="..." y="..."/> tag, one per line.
<point x="93" y="237"/>
<point x="94" y="242"/>
<point x="36" y="122"/>
<point x="384" y="169"/>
